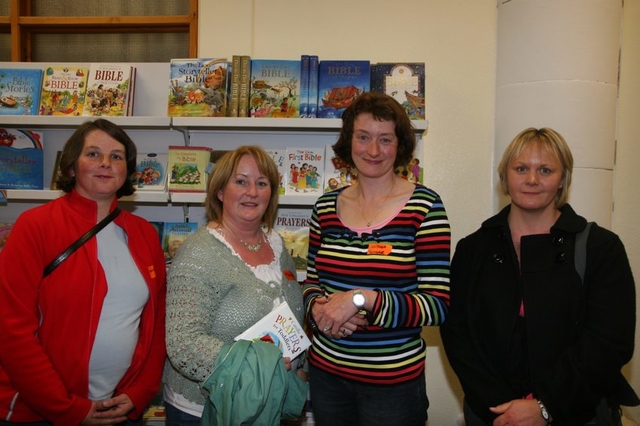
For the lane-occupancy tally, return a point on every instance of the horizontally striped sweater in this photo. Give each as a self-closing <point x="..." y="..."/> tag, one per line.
<point x="412" y="281"/>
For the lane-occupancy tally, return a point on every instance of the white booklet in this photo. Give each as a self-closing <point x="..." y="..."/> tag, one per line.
<point x="281" y="328"/>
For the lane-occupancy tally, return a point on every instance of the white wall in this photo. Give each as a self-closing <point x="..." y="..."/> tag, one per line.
<point x="457" y="41"/>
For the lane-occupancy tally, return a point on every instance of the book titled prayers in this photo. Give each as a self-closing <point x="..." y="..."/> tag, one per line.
<point x="281" y="328"/>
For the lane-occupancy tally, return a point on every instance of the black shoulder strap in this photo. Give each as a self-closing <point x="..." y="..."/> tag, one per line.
<point x="80" y="241"/>
<point x="580" y="255"/>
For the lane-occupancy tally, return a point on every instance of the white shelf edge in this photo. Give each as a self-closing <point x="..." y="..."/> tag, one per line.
<point x="50" y="194"/>
<point x="33" y="194"/>
<point x="147" y="197"/>
<point x="284" y="200"/>
<point x="187" y="197"/>
<point x="222" y="123"/>
<point x="311" y="124"/>
<point x="64" y="121"/>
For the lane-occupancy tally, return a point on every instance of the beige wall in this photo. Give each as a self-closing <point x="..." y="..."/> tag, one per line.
<point x="626" y="195"/>
<point x="457" y="41"/>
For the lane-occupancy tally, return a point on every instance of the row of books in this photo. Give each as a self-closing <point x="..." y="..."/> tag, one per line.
<point x="215" y="87"/>
<point x="310" y="171"/>
<point x="98" y="89"/>
<point x="282" y="88"/>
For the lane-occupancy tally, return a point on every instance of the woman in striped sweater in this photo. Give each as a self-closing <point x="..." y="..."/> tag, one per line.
<point x="378" y="272"/>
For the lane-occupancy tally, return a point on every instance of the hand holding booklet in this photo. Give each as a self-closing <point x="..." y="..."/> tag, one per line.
<point x="281" y="328"/>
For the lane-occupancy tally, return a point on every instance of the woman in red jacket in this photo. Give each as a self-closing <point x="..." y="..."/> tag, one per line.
<point x="85" y="344"/>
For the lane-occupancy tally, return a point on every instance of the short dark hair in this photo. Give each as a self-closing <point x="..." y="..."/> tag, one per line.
<point x="382" y="107"/>
<point x="73" y="149"/>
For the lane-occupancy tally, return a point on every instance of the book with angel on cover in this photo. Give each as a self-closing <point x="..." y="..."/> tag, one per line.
<point x="281" y="328"/>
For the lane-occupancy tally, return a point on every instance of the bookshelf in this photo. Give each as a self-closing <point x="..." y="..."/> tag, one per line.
<point x="153" y="131"/>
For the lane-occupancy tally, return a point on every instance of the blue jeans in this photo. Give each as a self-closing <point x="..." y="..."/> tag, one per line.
<point x="177" y="417"/>
<point x="340" y="402"/>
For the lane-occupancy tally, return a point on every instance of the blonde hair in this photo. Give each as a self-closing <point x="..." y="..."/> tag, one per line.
<point x="224" y="169"/>
<point x="548" y="139"/>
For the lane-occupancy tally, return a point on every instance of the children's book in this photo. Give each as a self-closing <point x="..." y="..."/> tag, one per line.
<point x="63" y="90"/>
<point x="21" y="159"/>
<point x="109" y="89"/>
<point x="245" y="86"/>
<point x="233" y="97"/>
<point x="20" y="91"/>
<point x="151" y="171"/>
<point x="281" y="328"/>
<point x="173" y="235"/>
<point x="339" y="83"/>
<point x="337" y="173"/>
<point x="313" y="86"/>
<point x="275" y="88"/>
<point x="5" y="230"/>
<point x="305" y="170"/>
<point x="278" y="156"/>
<point x="413" y="171"/>
<point x="404" y="81"/>
<point x="293" y="226"/>
<point x="198" y="87"/>
<point x="304" y="86"/>
<point x="188" y="167"/>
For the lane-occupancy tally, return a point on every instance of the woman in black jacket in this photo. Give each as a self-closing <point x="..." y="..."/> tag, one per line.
<point x="530" y="342"/>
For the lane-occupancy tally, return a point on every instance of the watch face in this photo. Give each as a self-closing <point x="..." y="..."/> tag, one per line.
<point x="358" y="299"/>
<point x="545" y="414"/>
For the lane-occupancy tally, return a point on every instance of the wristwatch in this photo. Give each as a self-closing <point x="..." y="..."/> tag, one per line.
<point x="358" y="299"/>
<point x="544" y="412"/>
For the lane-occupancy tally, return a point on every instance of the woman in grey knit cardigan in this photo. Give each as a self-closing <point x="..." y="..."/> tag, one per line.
<point x="225" y="277"/>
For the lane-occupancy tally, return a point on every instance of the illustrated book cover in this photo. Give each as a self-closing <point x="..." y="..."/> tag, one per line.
<point x="293" y="226"/>
<point x="188" y="167"/>
<point x="109" y="90"/>
<point x="198" y="87"/>
<point x="63" y="90"/>
<point x="404" y="81"/>
<point x="337" y="173"/>
<point x="281" y="328"/>
<point x="305" y="168"/>
<point x="20" y="90"/>
<point x="414" y="170"/>
<point x="339" y="83"/>
<point x="21" y="159"/>
<point x="173" y="235"/>
<point x="278" y="156"/>
<point x="275" y="88"/>
<point x="151" y="171"/>
<point x="5" y="230"/>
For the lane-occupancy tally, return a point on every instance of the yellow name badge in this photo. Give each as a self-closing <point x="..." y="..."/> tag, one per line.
<point x="379" y="249"/>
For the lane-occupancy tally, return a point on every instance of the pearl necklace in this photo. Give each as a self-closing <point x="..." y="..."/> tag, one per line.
<point x="369" y="222"/>
<point x="251" y="247"/>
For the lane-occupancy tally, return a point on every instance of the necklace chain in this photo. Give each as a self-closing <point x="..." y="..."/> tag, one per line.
<point x="369" y="222"/>
<point x="251" y="247"/>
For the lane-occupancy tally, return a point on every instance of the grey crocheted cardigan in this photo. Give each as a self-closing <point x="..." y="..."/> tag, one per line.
<point x="213" y="296"/>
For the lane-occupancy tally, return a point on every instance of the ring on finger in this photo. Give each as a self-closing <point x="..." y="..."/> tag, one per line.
<point x="326" y="328"/>
<point x="344" y="331"/>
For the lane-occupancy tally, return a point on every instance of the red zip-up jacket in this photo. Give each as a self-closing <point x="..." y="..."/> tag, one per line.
<point x="48" y="326"/>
